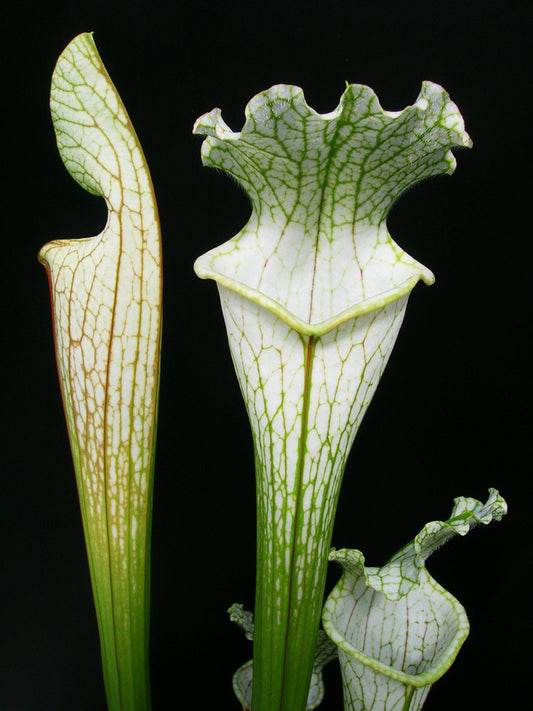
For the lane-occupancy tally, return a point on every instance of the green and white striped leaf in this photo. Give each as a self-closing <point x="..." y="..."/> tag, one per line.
<point x="325" y="652"/>
<point x="397" y="630"/>
<point x="313" y="292"/>
<point x="106" y="301"/>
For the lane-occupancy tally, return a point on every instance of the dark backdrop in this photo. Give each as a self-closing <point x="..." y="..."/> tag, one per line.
<point x="451" y="416"/>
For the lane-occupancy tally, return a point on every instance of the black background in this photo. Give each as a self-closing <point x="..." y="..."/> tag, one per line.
<point x="451" y="416"/>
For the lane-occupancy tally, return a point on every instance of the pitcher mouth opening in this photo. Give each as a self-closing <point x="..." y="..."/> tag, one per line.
<point x="454" y="624"/>
<point x="303" y="326"/>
